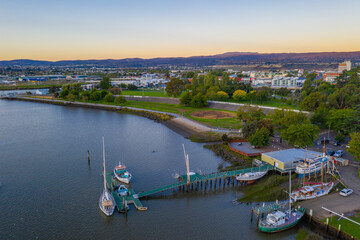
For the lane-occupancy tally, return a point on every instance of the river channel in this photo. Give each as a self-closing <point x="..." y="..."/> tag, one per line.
<point x="48" y="190"/>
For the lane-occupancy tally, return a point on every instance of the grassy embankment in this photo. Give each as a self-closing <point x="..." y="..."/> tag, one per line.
<point x="24" y="86"/>
<point x="347" y="226"/>
<point x="271" y="103"/>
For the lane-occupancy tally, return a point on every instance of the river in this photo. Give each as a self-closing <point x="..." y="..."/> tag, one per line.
<point x="48" y="190"/>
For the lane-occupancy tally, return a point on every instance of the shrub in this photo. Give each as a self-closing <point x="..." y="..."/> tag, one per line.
<point x="120" y="99"/>
<point x="132" y="87"/>
<point x="109" y="98"/>
<point x="224" y="137"/>
<point x="115" y="91"/>
<point x="239" y="95"/>
<point x="95" y="96"/>
<point x="198" y="101"/>
<point x="222" y="95"/>
<point x="185" y="98"/>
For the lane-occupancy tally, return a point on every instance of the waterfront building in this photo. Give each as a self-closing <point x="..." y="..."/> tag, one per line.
<point x="344" y="66"/>
<point x="287" y="160"/>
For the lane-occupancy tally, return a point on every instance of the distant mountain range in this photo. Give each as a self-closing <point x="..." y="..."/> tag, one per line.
<point x="230" y="58"/>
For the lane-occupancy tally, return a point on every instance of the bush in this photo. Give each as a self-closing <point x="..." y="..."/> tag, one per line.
<point x="109" y="98"/>
<point x="115" y="91"/>
<point x="224" y="137"/>
<point x="95" y="96"/>
<point x="223" y="96"/>
<point x="185" y="98"/>
<point x="340" y="137"/>
<point x="198" y="101"/>
<point x="239" y="95"/>
<point x="132" y="87"/>
<point x="120" y="99"/>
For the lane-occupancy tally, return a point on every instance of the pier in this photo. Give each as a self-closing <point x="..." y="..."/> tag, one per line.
<point x="193" y="182"/>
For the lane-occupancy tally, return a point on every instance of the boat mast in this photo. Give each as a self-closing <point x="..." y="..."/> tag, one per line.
<point x="305" y="165"/>
<point x="290" y="193"/>
<point x="187" y="165"/>
<point x="104" y="163"/>
<point x="322" y="165"/>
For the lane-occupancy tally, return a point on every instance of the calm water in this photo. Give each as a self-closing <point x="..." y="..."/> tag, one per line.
<point x="48" y="191"/>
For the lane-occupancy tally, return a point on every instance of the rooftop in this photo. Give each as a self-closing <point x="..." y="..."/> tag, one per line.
<point x="292" y="154"/>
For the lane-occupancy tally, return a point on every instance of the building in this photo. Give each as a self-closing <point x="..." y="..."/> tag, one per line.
<point x="344" y="66"/>
<point x="284" y="82"/>
<point x="287" y="160"/>
<point x="330" y="76"/>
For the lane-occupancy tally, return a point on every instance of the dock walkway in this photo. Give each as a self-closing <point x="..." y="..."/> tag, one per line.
<point x="195" y="179"/>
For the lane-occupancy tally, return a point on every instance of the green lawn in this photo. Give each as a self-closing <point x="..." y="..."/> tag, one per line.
<point x="347" y="226"/>
<point x="151" y="93"/>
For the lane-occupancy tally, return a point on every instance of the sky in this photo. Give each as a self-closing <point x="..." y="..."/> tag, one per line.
<point x="115" y="29"/>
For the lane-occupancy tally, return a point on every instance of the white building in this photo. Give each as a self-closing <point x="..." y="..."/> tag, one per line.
<point x="284" y="82"/>
<point x="344" y="66"/>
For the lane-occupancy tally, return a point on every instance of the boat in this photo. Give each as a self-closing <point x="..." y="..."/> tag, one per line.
<point x="278" y="221"/>
<point x="312" y="191"/>
<point x="310" y="166"/>
<point x="250" y="176"/>
<point x="122" y="190"/>
<point x="106" y="202"/>
<point x="122" y="174"/>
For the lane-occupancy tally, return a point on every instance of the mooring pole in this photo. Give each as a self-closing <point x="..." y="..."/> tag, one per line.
<point x="88" y="157"/>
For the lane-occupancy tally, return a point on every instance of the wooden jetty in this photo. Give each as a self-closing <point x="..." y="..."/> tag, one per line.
<point x="191" y="182"/>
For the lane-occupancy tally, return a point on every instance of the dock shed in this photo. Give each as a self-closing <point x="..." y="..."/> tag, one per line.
<point x="287" y="159"/>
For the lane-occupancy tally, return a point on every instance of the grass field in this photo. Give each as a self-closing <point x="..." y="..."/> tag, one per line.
<point x="148" y="93"/>
<point x="347" y="226"/>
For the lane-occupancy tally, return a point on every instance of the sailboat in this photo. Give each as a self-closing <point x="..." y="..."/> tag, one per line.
<point x="310" y="166"/>
<point x="278" y="221"/>
<point x="315" y="190"/>
<point x="250" y="176"/>
<point x="106" y="201"/>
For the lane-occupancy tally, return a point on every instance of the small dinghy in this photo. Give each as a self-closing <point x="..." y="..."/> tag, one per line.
<point x="123" y="191"/>
<point x="250" y="176"/>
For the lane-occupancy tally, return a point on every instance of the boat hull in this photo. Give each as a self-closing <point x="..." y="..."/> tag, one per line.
<point x="123" y="180"/>
<point x="283" y="227"/>
<point x="107" y="196"/>
<point x="245" y="177"/>
<point x="298" y="197"/>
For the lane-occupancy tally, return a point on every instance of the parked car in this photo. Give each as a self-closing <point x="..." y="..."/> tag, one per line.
<point x="338" y="153"/>
<point x="331" y="152"/>
<point x="348" y="146"/>
<point x="346" y="192"/>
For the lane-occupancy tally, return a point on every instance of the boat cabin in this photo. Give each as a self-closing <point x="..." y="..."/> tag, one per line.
<point x="120" y="169"/>
<point x="276" y="218"/>
<point x="307" y="190"/>
<point x="108" y="204"/>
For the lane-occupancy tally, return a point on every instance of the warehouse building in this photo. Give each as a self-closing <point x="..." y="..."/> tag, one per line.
<point x="287" y="160"/>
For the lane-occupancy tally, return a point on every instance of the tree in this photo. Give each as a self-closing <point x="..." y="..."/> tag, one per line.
<point x="263" y="94"/>
<point x="105" y="83"/>
<point x="115" y="90"/>
<point x="132" y="87"/>
<point x="320" y="116"/>
<point x="95" y="96"/>
<point x="260" y="138"/>
<point x="198" y="101"/>
<point x="222" y="95"/>
<point x="109" y="98"/>
<point x="312" y="101"/>
<point x="120" y="100"/>
<point x="239" y="95"/>
<point x="249" y="113"/>
<point x="249" y="129"/>
<point x="301" y="135"/>
<point x="355" y="145"/>
<point x="342" y="120"/>
<point x="266" y="123"/>
<point x="85" y="96"/>
<point x="175" y="86"/>
<point x="185" y="98"/>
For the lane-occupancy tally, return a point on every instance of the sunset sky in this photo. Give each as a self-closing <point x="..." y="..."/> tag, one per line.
<point x="94" y="29"/>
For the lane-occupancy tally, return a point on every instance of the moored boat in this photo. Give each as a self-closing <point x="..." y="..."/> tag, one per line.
<point x="312" y="191"/>
<point x="278" y="221"/>
<point x="106" y="201"/>
<point x="310" y="166"/>
<point x="123" y="191"/>
<point x="122" y="174"/>
<point x="250" y="176"/>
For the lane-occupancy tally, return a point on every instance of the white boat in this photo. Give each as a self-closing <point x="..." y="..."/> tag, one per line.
<point x="310" y="166"/>
<point x="250" y="176"/>
<point x="122" y="190"/>
<point x="106" y="201"/>
<point x="312" y="191"/>
<point x="122" y="174"/>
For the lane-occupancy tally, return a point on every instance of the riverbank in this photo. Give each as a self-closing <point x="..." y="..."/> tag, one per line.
<point x="182" y="125"/>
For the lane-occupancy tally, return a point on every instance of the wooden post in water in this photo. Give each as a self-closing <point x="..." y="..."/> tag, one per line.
<point x="338" y="232"/>
<point x="219" y="181"/>
<point x="224" y="182"/>
<point x="233" y="180"/>
<point x="88" y="157"/>
<point x="215" y="180"/>
<point x="252" y="213"/>
<point x="310" y="215"/>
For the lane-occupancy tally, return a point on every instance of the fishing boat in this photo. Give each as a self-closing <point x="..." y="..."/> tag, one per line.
<point x="278" y="221"/>
<point x="122" y="190"/>
<point x="106" y="201"/>
<point x="310" y="166"/>
<point x="312" y="191"/>
<point x="122" y="174"/>
<point x="250" y="176"/>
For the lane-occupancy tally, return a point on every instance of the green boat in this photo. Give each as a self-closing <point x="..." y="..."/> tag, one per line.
<point x="278" y="221"/>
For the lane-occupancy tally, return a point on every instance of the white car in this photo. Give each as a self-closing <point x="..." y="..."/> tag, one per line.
<point x="346" y="192"/>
